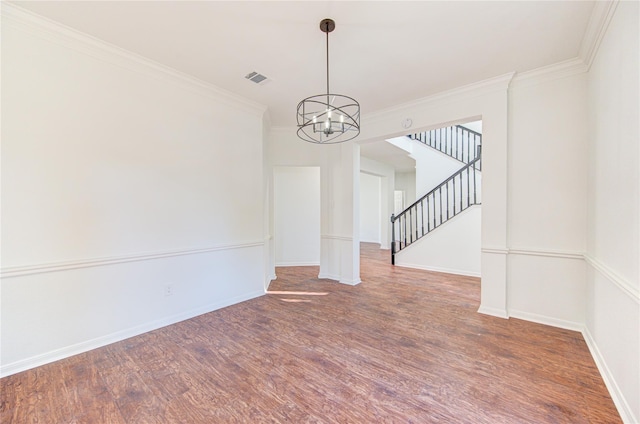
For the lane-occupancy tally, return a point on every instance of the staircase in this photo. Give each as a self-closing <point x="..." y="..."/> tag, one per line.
<point x="454" y="195"/>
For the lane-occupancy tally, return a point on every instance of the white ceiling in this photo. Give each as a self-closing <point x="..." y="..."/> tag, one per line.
<point x="382" y="53"/>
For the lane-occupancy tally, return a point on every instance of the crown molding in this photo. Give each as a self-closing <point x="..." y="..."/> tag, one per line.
<point x="476" y="89"/>
<point x="551" y="72"/>
<point x="63" y="35"/>
<point x="596" y="28"/>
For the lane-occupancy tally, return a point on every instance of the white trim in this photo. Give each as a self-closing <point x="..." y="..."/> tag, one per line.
<point x="63" y="35"/>
<point x="534" y="252"/>
<point x="437" y="269"/>
<point x="371" y="241"/>
<point x="495" y="250"/>
<point x="19" y="271"/>
<point x="67" y="351"/>
<point x="297" y="264"/>
<point x="351" y="282"/>
<point x="494" y="312"/>
<point x="498" y="83"/>
<point x="596" y="28"/>
<point x="332" y="237"/>
<point x="545" y="320"/>
<point x="547" y="253"/>
<point x="616" y="394"/>
<point x="323" y="276"/>
<point x="598" y="23"/>
<point x="563" y="69"/>
<point x="268" y="279"/>
<point x="624" y="285"/>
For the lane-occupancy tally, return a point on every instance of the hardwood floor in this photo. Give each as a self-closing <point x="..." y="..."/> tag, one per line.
<point x="404" y="346"/>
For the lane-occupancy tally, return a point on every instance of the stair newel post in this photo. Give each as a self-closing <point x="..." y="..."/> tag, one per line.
<point x="393" y="240"/>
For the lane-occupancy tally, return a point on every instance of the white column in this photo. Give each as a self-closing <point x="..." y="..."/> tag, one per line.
<point x="340" y="246"/>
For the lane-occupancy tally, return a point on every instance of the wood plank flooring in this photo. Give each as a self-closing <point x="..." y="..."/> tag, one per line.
<point x="405" y="346"/>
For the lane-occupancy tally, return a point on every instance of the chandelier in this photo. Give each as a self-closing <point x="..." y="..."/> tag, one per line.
<point x="328" y="118"/>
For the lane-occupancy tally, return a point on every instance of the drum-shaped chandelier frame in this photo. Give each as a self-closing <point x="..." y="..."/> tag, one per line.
<point x="328" y="118"/>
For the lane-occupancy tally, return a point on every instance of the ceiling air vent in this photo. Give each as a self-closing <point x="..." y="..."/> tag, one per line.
<point x="256" y="77"/>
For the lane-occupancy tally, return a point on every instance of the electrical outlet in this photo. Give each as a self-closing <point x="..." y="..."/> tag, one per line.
<point x="168" y="290"/>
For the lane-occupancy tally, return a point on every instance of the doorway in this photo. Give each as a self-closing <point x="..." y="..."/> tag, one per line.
<point x="297" y="215"/>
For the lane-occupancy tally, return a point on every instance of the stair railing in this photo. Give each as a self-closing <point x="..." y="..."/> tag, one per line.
<point x="455" y="194"/>
<point x="457" y="141"/>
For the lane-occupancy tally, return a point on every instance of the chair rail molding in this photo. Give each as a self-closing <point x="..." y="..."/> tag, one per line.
<point x="625" y="286"/>
<point x="19" y="271"/>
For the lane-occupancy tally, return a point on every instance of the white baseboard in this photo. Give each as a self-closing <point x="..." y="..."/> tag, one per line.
<point x="351" y="282"/>
<point x="67" y="351"/>
<point x="370" y="241"/>
<point x="298" y="264"/>
<point x="329" y="276"/>
<point x="494" y="312"/>
<point x="616" y="394"/>
<point x="438" y="269"/>
<point x="268" y="281"/>
<point x="545" y="320"/>
<point x="339" y="279"/>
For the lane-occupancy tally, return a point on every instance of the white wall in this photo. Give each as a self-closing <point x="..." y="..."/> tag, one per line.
<point x="432" y="166"/>
<point x="613" y="210"/>
<point x="454" y="247"/>
<point x="115" y="184"/>
<point x="547" y="198"/>
<point x="406" y="182"/>
<point x="387" y="182"/>
<point x="297" y="215"/>
<point x="370" y="207"/>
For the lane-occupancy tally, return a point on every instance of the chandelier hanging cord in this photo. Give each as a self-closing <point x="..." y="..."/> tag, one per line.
<point x="327" y="31"/>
